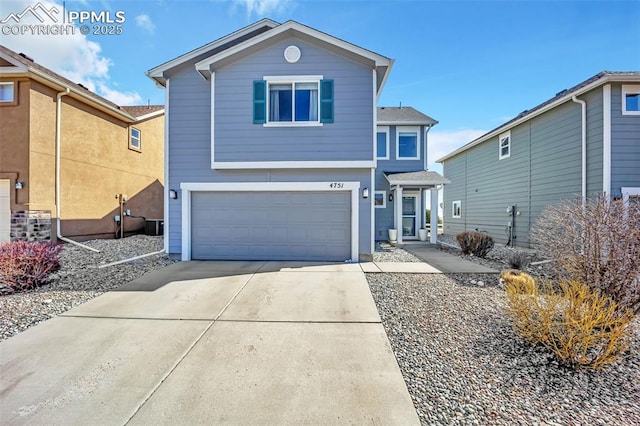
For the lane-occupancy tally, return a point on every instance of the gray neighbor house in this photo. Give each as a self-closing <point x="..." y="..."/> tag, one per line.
<point x="583" y="141"/>
<point x="275" y="149"/>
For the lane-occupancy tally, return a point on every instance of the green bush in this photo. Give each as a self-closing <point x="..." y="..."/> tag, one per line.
<point x="580" y="326"/>
<point x="475" y="243"/>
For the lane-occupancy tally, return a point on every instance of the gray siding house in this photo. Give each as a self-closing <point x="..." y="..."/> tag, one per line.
<point x="583" y="141"/>
<point x="271" y="145"/>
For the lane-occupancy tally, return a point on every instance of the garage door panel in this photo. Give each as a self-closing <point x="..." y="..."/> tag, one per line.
<point x="271" y="225"/>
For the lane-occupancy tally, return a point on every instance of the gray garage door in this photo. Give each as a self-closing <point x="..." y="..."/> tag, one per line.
<point x="271" y="225"/>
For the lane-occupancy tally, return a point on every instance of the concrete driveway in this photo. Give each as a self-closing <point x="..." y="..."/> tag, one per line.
<point x="208" y="343"/>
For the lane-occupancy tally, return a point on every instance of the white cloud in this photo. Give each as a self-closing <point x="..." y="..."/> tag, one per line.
<point x="72" y="56"/>
<point x="144" y="21"/>
<point x="444" y="142"/>
<point x="263" y="7"/>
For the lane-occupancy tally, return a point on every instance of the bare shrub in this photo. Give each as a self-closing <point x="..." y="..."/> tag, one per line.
<point x="26" y="265"/>
<point x="475" y="243"/>
<point x="598" y="245"/>
<point x="517" y="260"/>
<point x="580" y="325"/>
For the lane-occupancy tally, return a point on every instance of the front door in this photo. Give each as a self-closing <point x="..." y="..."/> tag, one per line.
<point x="409" y="216"/>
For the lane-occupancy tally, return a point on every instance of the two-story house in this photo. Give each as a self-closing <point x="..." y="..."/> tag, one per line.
<point x="65" y="152"/>
<point x="271" y="147"/>
<point x="583" y="141"/>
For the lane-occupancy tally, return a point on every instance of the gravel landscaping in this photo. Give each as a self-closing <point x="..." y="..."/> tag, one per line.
<point x="386" y="252"/>
<point x="79" y="280"/>
<point x="463" y="363"/>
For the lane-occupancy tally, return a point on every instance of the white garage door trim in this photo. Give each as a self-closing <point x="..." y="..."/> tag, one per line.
<point x="189" y="187"/>
<point x="5" y="210"/>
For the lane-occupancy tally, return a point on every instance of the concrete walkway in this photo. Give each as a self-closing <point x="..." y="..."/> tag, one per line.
<point x="209" y="343"/>
<point x="445" y="262"/>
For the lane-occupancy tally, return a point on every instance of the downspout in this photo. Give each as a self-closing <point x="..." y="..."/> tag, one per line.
<point x="58" y="137"/>
<point x="425" y="145"/>
<point x="584" y="147"/>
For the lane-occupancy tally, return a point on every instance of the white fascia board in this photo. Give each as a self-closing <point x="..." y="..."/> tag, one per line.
<point x="150" y="115"/>
<point x="158" y="72"/>
<point x="527" y="117"/>
<point x="243" y="165"/>
<point x="385" y="77"/>
<point x="204" y="66"/>
<point x="417" y="183"/>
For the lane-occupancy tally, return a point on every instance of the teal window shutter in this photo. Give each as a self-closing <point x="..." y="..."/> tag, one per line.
<point x="326" y="101"/>
<point x="259" y="101"/>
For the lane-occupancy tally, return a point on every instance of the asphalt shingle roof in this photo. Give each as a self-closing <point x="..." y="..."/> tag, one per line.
<point x="404" y="115"/>
<point x="419" y="178"/>
<point x="140" y="110"/>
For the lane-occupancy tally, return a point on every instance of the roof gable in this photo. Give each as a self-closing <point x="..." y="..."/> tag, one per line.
<point x="403" y="116"/>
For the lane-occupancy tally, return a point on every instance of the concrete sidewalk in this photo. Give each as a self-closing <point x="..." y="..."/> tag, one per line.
<point x="445" y="262"/>
<point x="209" y="343"/>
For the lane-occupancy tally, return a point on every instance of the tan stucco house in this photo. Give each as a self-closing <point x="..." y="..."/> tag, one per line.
<point x="102" y="150"/>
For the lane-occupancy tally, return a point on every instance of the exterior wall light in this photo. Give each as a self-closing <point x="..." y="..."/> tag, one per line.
<point x="391" y="197"/>
<point x="365" y="193"/>
<point x="19" y="185"/>
<point x="173" y="194"/>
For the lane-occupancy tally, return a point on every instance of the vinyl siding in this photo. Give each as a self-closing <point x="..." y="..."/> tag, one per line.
<point x="625" y="145"/>
<point x="384" y="216"/>
<point x="545" y="167"/>
<point x="349" y="137"/>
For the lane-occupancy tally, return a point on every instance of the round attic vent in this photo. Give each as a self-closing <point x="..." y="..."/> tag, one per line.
<point x="292" y="54"/>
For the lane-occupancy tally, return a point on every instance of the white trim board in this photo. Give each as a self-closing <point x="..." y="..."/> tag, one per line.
<point x="187" y="188"/>
<point x="242" y="165"/>
<point x="606" y="139"/>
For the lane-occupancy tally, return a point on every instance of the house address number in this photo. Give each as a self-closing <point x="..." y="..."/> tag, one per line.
<point x="336" y="185"/>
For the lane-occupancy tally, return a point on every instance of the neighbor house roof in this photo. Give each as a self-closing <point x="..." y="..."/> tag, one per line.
<point x="403" y="116"/>
<point x="420" y="178"/>
<point x="142" y="112"/>
<point x="561" y="97"/>
<point x="23" y="64"/>
<point x="262" y="31"/>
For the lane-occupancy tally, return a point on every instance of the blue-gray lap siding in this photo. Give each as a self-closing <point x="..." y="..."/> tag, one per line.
<point x="349" y="137"/>
<point x="189" y="152"/>
<point x="544" y="168"/>
<point x="384" y="216"/>
<point x="625" y="145"/>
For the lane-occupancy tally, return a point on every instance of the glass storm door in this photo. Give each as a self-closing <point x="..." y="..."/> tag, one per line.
<point x="409" y="215"/>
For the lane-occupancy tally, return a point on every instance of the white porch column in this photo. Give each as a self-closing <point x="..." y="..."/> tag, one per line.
<point x="434" y="215"/>
<point x="398" y="210"/>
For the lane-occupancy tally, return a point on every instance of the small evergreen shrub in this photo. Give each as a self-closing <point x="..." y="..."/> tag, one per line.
<point x="581" y="326"/>
<point x="517" y="260"/>
<point x="26" y="265"/>
<point x="475" y="243"/>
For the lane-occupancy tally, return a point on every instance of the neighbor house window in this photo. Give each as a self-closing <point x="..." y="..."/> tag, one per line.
<point x="135" y="139"/>
<point x="456" y="209"/>
<point x="290" y="101"/>
<point x="408" y="143"/>
<point x="504" y="142"/>
<point x="631" y="100"/>
<point x="380" y="199"/>
<point x="7" y="92"/>
<point x="382" y="143"/>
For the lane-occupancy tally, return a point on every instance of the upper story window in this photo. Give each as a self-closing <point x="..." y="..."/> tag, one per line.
<point x="135" y="139"/>
<point x="408" y="143"/>
<point x="631" y="100"/>
<point x="382" y="143"/>
<point x="504" y="144"/>
<point x="7" y="92"/>
<point x="293" y="101"/>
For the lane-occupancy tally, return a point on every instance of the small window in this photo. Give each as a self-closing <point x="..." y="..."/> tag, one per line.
<point x="382" y="143"/>
<point x="7" y="92"/>
<point x="380" y="199"/>
<point x="408" y="146"/>
<point x="456" y="209"/>
<point x="505" y="145"/>
<point x="631" y="100"/>
<point x="135" y="139"/>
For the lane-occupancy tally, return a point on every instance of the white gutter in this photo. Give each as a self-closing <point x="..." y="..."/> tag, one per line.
<point x="584" y="146"/>
<point x="131" y="259"/>
<point x="58" y="137"/>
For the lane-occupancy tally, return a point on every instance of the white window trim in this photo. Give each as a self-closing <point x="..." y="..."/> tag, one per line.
<point x="408" y="129"/>
<point x="291" y="79"/>
<point x="502" y="137"/>
<point x="382" y="129"/>
<point x="384" y="199"/>
<point x="13" y="86"/>
<point x="187" y="188"/>
<point x="131" y="139"/>
<point x="629" y="89"/>
<point x="453" y="209"/>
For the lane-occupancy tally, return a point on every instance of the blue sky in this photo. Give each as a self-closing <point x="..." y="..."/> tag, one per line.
<point x="472" y="65"/>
